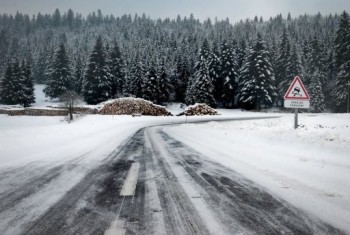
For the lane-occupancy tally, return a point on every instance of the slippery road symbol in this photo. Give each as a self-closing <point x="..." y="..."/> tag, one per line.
<point x="296" y="91"/>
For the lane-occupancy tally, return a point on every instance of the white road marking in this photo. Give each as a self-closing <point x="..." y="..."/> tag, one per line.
<point x="131" y="181"/>
<point x="116" y="228"/>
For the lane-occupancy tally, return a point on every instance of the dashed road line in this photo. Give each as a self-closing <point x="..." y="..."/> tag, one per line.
<point x="129" y="186"/>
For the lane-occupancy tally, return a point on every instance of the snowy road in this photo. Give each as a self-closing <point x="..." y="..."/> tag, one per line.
<point x="178" y="191"/>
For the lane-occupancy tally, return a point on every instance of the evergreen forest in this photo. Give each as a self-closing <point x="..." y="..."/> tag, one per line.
<point x="247" y="64"/>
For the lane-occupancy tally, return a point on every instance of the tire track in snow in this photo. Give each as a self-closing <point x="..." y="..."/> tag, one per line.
<point x="10" y="199"/>
<point x="240" y="200"/>
<point x="91" y="205"/>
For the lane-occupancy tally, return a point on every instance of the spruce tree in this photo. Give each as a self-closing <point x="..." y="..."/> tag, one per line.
<point x="316" y="76"/>
<point x="4" y="47"/>
<point x="150" y="86"/>
<point x="18" y="84"/>
<point x="181" y="79"/>
<point x="97" y="81"/>
<point x="226" y="87"/>
<point x="28" y="84"/>
<point x="342" y="62"/>
<point x="315" y="88"/>
<point x="331" y="75"/>
<point x="214" y="66"/>
<point x="60" y="78"/>
<point x="164" y="84"/>
<point x="257" y="78"/>
<point x="282" y="63"/>
<point x="202" y="87"/>
<point x="293" y="69"/>
<point x="116" y="65"/>
<point x="205" y="50"/>
<point x="6" y="94"/>
<point x="42" y="65"/>
<point x="136" y="77"/>
<point x="189" y="99"/>
<point x="240" y="56"/>
<point x="78" y="79"/>
<point x="14" y="86"/>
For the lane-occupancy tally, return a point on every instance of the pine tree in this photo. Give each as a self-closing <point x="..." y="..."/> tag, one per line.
<point x="342" y="63"/>
<point x="205" y="50"/>
<point x="316" y="76"/>
<point x="181" y="79"/>
<point x="56" y="18"/>
<point x="202" y="88"/>
<point x="214" y="66"/>
<point x="60" y="78"/>
<point x="293" y="69"/>
<point x="97" y="82"/>
<point x="315" y="88"/>
<point x="13" y="87"/>
<point x="116" y="66"/>
<point x="226" y="87"/>
<point x="136" y="77"/>
<point x="331" y="75"/>
<point x="7" y="83"/>
<point x="257" y="78"/>
<point x="164" y="84"/>
<point x="78" y="75"/>
<point x="42" y="66"/>
<point x="28" y="84"/>
<point x="240" y="56"/>
<point x="189" y="99"/>
<point x="4" y="45"/>
<point x="150" y="86"/>
<point x="281" y="66"/>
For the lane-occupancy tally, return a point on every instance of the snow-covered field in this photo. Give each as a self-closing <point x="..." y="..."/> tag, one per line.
<point x="309" y="167"/>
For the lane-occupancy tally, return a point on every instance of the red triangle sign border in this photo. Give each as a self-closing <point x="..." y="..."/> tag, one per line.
<point x="296" y="79"/>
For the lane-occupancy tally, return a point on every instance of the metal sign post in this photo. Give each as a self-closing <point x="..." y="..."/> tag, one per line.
<point x="295" y="118"/>
<point x="296" y="97"/>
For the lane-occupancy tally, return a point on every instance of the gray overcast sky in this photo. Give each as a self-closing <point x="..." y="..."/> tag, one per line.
<point x="202" y="9"/>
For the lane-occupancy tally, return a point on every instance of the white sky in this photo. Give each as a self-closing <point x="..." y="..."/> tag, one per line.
<point x="202" y="9"/>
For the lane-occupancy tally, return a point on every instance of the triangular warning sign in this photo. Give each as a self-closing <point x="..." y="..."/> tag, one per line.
<point x="297" y="91"/>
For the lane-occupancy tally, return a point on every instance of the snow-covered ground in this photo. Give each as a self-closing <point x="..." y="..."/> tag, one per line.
<point x="42" y="101"/>
<point x="309" y="167"/>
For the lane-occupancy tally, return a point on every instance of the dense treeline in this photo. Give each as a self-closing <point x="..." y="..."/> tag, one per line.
<point x="249" y="64"/>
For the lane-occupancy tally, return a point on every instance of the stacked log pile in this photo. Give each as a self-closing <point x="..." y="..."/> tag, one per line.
<point x="12" y="110"/>
<point x="45" y="112"/>
<point x="16" y="110"/>
<point x="85" y="110"/>
<point x="132" y="106"/>
<point x="199" y="109"/>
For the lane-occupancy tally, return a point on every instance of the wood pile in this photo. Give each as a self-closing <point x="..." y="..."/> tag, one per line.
<point x="85" y="110"/>
<point x="132" y="106"/>
<point x="12" y="110"/>
<point x="199" y="109"/>
<point x="46" y="112"/>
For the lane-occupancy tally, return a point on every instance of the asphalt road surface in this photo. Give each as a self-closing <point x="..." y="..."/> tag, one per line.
<point x="152" y="184"/>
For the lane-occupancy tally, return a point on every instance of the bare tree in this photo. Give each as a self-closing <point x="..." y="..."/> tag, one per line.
<point x="70" y="98"/>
